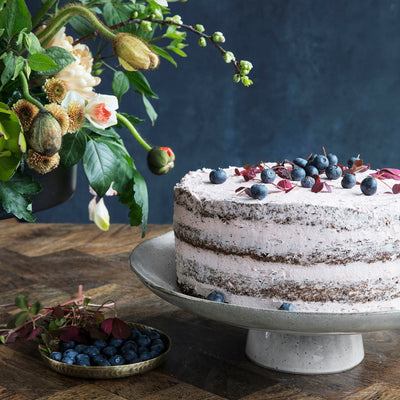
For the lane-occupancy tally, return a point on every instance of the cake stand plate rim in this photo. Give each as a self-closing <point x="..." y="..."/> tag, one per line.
<point x="153" y="262"/>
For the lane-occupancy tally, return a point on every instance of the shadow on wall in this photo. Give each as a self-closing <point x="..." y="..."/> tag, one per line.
<point x="325" y="74"/>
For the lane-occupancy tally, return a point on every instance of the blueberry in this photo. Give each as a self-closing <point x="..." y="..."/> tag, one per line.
<point x="298" y="174"/>
<point x="117" y="359"/>
<point x="287" y="307"/>
<point x="216" y="296"/>
<point x="218" y="176"/>
<point x="368" y="186"/>
<point x="320" y="162"/>
<point x="159" y="348"/>
<point x="145" y="356"/>
<point x="134" y="333"/>
<point x="311" y="159"/>
<point x="92" y="351"/>
<point x="349" y="181"/>
<point x="67" y="360"/>
<point x="350" y="161"/>
<point x="115" y="342"/>
<point x="83" y="359"/>
<point x="67" y="345"/>
<point x="332" y="158"/>
<point x="79" y="348"/>
<point x="268" y="175"/>
<point x="100" y="343"/>
<point x="258" y="192"/>
<point x="333" y="172"/>
<point x="100" y="361"/>
<point x="308" y="182"/>
<point x="56" y="355"/>
<point x="129" y="345"/>
<point x="143" y="340"/>
<point x="130" y="356"/>
<point x="70" y="353"/>
<point x="300" y="162"/>
<point x="109" y="351"/>
<point x="311" y="170"/>
<point x="154" y="335"/>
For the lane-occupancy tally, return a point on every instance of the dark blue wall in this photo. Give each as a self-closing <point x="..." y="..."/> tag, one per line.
<point x="326" y="73"/>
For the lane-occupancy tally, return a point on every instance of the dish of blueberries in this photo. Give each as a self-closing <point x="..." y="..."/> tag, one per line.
<point x="145" y="349"/>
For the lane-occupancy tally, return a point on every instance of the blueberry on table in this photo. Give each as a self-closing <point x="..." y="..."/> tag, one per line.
<point x="56" y="355"/>
<point x="332" y="158"/>
<point x="368" y="186"/>
<point x="268" y="175"/>
<point x="300" y="162"/>
<point x="115" y="342"/>
<point x="297" y="174"/>
<point x="83" y="360"/>
<point x="350" y="161"/>
<point x="311" y="170"/>
<point x="70" y="353"/>
<point x="287" y="307"/>
<point x="216" y="296"/>
<point x="348" y="181"/>
<point x="308" y="182"/>
<point x="333" y="172"/>
<point x="258" y="192"/>
<point x="217" y="176"/>
<point x="67" y="360"/>
<point x="92" y="351"/>
<point x="320" y="162"/>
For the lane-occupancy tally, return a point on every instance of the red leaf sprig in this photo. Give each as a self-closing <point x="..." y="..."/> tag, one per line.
<point x="249" y="172"/>
<point x="320" y="185"/>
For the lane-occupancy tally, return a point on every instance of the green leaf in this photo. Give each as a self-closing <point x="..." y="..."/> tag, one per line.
<point x="22" y="302"/>
<point x="9" y="66"/>
<point x="163" y="53"/>
<point x="21" y="318"/>
<point x="81" y="26"/>
<point x="177" y="51"/>
<point x="15" y="17"/>
<point x="149" y="109"/>
<point x="32" y="43"/>
<point x="133" y="120"/>
<point x="19" y="65"/>
<point x="141" y="199"/>
<point x="120" y="84"/>
<point x="13" y="196"/>
<point x="109" y="132"/>
<point x="41" y="62"/>
<point x="36" y="308"/>
<point x="100" y="166"/>
<point x="73" y="148"/>
<point x="138" y="80"/>
<point x="61" y="57"/>
<point x="115" y="13"/>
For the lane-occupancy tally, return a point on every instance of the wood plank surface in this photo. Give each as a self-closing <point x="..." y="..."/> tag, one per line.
<point x="48" y="262"/>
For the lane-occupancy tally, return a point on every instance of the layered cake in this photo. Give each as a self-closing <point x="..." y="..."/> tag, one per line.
<point x="333" y="249"/>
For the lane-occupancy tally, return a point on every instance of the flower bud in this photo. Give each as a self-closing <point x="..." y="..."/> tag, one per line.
<point x="218" y="37"/>
<point x="45" y="134"/>
<point x="146" y="26"/>
<point x="245" y="67"/>
<point x="160" y="160"/>
<point x="200" y="28"/>
<point x="202" y="42"/>
<point x="236" y="78"/>
<point x="229" y="57"/>
<point x="134" y="53"/>
<point x="246" y="81"/>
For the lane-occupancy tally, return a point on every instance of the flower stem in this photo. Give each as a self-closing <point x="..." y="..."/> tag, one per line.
<point x="42" y="11"/>
<point x="64" y="15"/>
<point x="25" y="91"/>
<point x="134" y="132"/>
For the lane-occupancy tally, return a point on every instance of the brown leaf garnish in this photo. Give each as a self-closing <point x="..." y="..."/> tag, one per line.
<point x="387" y="173"/>
<point x="319" y="186"/>
<point x="285" y="185"/>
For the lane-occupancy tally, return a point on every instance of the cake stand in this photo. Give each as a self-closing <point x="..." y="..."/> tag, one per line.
<point x="294" y="342"/>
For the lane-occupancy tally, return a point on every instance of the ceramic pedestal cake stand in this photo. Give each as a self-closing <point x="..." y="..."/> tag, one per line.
<point x="295" y="342"/>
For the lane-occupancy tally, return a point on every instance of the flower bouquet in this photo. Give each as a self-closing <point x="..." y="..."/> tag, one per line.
<point x="50" y="112"/>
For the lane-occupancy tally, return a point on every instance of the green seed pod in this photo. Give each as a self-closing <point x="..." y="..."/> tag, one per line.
<point x="160" y="160"/>
<point x="45" y="134"/>
<point x="134" y="53"/>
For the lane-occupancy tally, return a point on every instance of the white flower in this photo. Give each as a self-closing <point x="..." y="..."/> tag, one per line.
<point x="100" y="110"/>
<point x="163" y="3"/>
<point x="98" y="213"/>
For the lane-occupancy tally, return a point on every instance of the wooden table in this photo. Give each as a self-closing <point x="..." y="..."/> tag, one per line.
<point x="47" y="262"/>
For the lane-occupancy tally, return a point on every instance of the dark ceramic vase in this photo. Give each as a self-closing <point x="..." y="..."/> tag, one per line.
<point x="58" y="186"/>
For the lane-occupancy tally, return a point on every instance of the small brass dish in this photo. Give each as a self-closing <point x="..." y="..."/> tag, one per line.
<point x="117" y="371"/>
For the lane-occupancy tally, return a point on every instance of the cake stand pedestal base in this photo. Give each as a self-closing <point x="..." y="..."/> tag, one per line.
<point x="304" y="354"/>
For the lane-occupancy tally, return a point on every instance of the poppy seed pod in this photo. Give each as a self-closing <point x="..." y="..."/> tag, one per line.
<point x="134" y="53"/>
<point x="45" y="134"/>
<point x="160" y="160"/>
